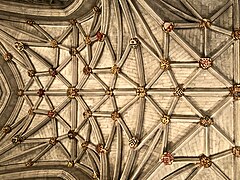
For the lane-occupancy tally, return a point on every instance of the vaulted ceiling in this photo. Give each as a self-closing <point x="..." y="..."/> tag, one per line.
<point x="122" y="89"/>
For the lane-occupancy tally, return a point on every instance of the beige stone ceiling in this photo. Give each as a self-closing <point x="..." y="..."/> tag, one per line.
<point x="122" y="89"/>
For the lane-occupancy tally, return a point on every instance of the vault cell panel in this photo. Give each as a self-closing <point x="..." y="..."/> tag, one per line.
<point x="150" y="116"/>
<point x="53" y="32"/>
<point x="206" y="103"/>
<point x="194" y="146"/>
<point x="193" y="37"/>
<point x="163" y="81"/>
<point x="177" y="53"/>
<point x="226" y="163"/>
<point x="207" y="8"/>
<point x="163" y="11"/>
<point x="105" y="125"/>
<point x="44" y="132"/>
<point x="47" y="53"/>
<point x="54" y="154"/>
<point x="151" y="65"/>
<point x="225" y="62"/>
<point x="207" y="173"/>
<point x="206" y="79"/>
<point x="92" y="83"/>
<point x="217" y="142"/>
<point x="91" y="101"/>
<point x="106" y="106"/>
<point x="164" y="102"/>
<point x="177" y="131"/>
<point x="183" y="109"/>
<point x="216" y="40"/>
<point x="130" y="117"/>
<point x="123" y="100"/>
<point x="106" y="59"/>
<point x="182" y="74"/>
<point x="130" y="67"/>
<point x="225" y="19"/>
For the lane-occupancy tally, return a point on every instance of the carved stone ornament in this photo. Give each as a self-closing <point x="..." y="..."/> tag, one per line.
<point x="87" y="114"/>
<point x="205" y="63"/>
<point x="29" y="163"/>
<point x="87" y="70"/>
<point x="31" y="73"/>
<point x="20" y="46"/>
<point x="236" y="34"/>
<point x="73" y="51"/>
<point x="41" y="92"/>
<point x="141" y="91"/>
<point x="51" y="114"/>
<point x="100" y="36"/>
<point x="205" y="161"/>
<point x="95" y="175"/>
<point x="115" y="115"/>
<point x="235" y="92"/>
<point x="20" y="92"/>
<point x="7" y="57"/>
<point x="96" y="10"/>
<point x="236" y="151"/>
<point x="167" y="158"/>
<point x="134" y="42"/>
<point x="53" y="72"/>
<point x="206" y="121"/>
<point x="165" y="119"/>
<point x="164" y="64"/>
<point x="70" y="164"/>
<point x="31" y="111"/>
<point x="100" y="148"/>
<point x="73" y="22"/>
<point x="72" y="92"/>
<point x="71" y="134"/>
<point x="115" y="69"/>
<point x="109" y="92"/>
<point x="30" y="22"/>
<point x="167" y="27"/>
<point x="87" y="40"/>
<point x="85" y="145"/>
<point x="205" y="23"/>
<point x="178" y="92"/>
<point x="54" y="43"/>
<point x="6" y="129"/>
<point x="133" y="142"/>
<point x="17" y="139"/>
<point x="53" y="141"/>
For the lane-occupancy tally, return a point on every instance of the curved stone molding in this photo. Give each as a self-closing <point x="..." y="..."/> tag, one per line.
<point x="10" y="102"/>
<point x="78" y="8"/>
<point x="4" y="91"/>
<point x="57" y="4"/>
<point x="43" y="171"/>
<point x="46" y="173"/>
